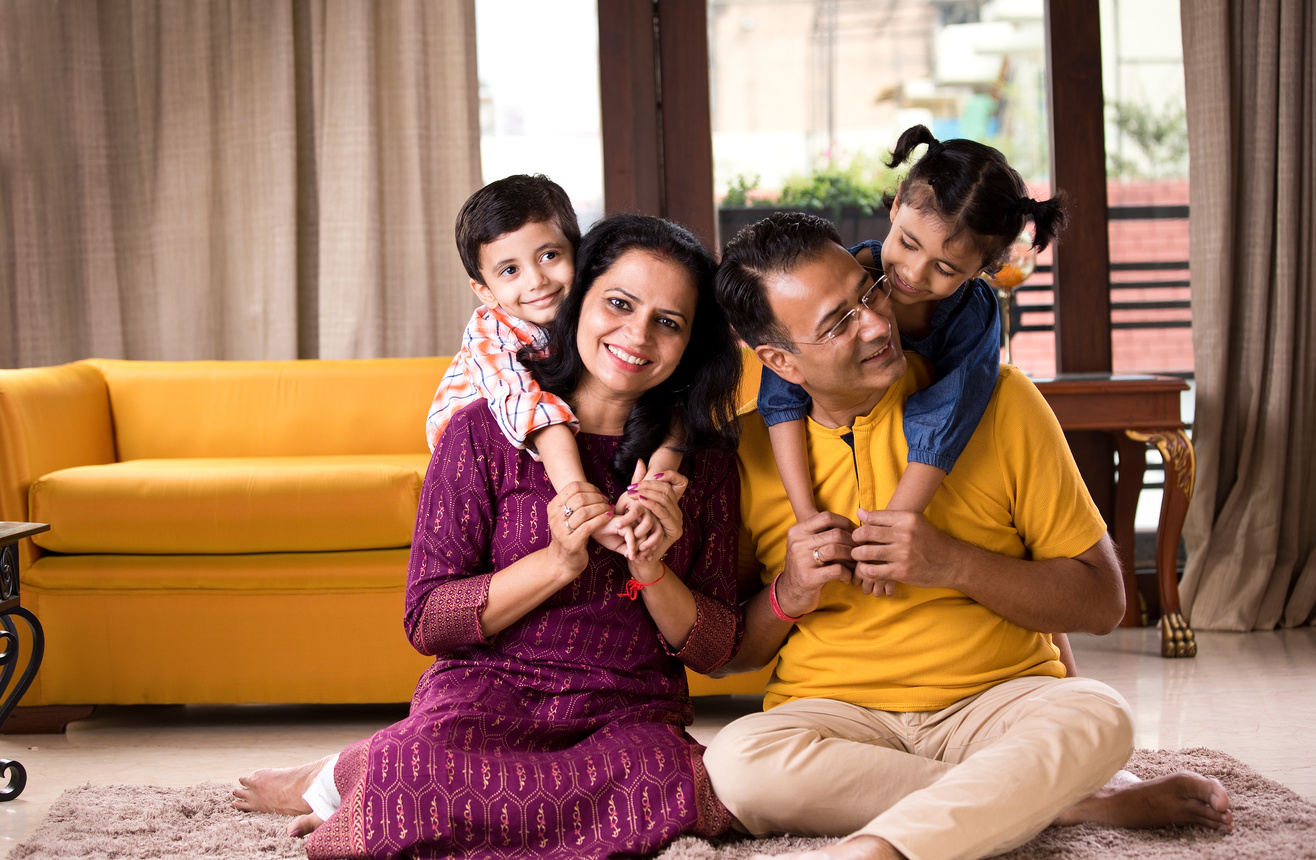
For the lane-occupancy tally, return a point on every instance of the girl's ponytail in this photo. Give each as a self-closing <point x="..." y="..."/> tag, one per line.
<point x="1048" y="216"/>
<point x="910" y="140"/>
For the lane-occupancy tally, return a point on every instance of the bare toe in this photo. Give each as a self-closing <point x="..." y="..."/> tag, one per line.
<point x="303" y="825"/>
<point x="278" y="790"/>
<point x="1178" y="798"/>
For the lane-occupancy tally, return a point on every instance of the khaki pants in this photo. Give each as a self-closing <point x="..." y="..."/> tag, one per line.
<point x="978" y="778"/>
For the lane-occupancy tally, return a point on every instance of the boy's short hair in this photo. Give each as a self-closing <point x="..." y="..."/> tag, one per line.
<point x="506" y="205"/>
<point x="775" y="245"/>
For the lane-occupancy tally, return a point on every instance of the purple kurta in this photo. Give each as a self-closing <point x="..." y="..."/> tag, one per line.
<point x="563" y="735"/>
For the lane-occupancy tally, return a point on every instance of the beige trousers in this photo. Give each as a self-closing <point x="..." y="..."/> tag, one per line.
<point x="981" y="777"/>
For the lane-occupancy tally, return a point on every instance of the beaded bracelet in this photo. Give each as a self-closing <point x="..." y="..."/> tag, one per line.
<point x="634" y="586"/>
<point x="776" y="607"/>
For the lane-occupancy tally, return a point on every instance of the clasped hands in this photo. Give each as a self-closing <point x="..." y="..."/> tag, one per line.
<point x="643" y="523"/>
<point x="884" y="548"/>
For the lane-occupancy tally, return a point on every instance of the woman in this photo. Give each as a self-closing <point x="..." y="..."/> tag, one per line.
<point x="551" y="723"/>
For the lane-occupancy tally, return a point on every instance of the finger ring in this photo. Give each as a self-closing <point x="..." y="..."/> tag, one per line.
<point x="567" y="511"/>
<point x="817" y="558"/>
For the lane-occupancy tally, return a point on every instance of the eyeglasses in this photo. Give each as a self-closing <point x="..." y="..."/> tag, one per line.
<point x="875" y="299"/>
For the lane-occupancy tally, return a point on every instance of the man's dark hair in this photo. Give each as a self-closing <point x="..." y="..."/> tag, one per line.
<point x="775" y="245"/>
<point x="700" y="395"/>
<point x="507" y="205"/>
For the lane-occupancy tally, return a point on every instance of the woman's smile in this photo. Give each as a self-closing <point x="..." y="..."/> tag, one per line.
<point x="627" y="358"/>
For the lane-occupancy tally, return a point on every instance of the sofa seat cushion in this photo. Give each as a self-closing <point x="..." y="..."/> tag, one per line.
<point x="381" y="570"/>
<point x="231" y="505"/>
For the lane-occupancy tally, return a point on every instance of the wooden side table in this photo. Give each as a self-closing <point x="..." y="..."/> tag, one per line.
<point x="10" y="534"/>
<point x="1137" y="411"/>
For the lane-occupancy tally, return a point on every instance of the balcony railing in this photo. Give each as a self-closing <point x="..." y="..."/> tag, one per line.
<point x="1142" y="297"/>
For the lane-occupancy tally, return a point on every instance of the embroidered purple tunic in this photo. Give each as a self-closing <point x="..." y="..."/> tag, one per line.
<point x="563" y="735"/>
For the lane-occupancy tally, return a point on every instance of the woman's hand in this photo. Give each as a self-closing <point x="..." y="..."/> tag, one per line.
<point x="574" y="515"/>
<point x="635" y="531"/>
<point x="658" y="498"/>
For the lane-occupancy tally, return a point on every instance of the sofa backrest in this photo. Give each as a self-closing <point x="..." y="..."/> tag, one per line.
<point x="270" y="408"/>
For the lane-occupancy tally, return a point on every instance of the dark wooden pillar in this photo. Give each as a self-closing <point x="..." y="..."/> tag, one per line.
<point x="1078" y="166"/>
<point x="1082" y="258"/>
<point x="657" y="132"/>
<point x="628" y="84"/>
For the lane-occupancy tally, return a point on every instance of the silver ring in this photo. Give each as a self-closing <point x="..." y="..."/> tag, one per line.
<point x="567" y="512"/>
<point x="817" y="558"/>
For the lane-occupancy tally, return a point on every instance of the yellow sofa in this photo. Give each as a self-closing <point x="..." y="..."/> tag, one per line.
<point x="222" y="532"/>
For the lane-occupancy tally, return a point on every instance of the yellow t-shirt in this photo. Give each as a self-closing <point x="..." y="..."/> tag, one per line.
<point x="1015" y="490"/>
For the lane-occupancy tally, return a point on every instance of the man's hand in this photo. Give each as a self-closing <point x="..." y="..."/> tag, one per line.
<point x="902" y="546"/>
<point x="817" y="552"/>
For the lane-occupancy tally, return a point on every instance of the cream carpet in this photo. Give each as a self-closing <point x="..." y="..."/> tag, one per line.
<point x="123" y="822"/>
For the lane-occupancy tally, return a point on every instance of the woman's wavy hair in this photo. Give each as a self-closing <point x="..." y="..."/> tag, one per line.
<point x="971" y="187"/>
<point x="699" y="398"/>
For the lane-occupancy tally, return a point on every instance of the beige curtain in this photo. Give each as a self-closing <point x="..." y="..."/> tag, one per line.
<point x="1250" y="68"/>
<point x="233" y="179"/>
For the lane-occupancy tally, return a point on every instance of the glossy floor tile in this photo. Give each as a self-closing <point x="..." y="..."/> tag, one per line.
<point x="1251" y="695"/>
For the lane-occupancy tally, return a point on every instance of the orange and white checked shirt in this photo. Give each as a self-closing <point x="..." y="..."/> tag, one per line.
<point x="486" y="368"/>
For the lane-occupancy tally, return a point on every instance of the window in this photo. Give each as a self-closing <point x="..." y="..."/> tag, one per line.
<point x="539" y="95"/>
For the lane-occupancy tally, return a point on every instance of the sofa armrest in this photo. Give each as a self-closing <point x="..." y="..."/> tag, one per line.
<point x="50" y="418"/>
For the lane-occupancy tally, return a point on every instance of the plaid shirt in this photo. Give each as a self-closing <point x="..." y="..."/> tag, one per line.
<point x="486" y="368"/>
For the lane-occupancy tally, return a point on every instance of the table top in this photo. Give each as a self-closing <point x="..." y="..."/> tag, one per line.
<point x="1104" y="401"/>
<point x="12" y="532"/>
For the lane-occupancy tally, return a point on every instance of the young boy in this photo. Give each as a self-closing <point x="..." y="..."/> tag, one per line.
<point x="517" y="238"/>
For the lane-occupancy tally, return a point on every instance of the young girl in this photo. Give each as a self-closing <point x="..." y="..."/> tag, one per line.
<point x="943" y="310"/>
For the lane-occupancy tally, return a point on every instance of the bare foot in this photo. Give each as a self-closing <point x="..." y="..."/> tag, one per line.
<point x="302" y="825"/>
<point x="858" y="848"/>
<point x="1179" y="798"/>
<point x="278" y="790"/>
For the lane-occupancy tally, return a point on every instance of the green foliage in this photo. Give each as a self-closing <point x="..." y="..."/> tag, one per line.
<point x="829" y="188"/>
<point x="739" y="190"/>
<point x="1159" y="135"/>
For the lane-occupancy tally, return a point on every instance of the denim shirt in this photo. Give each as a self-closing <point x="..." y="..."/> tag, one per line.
<point x="964" y="347"/>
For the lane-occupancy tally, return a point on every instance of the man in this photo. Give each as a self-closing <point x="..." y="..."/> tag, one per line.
<point x="935" y="722"/>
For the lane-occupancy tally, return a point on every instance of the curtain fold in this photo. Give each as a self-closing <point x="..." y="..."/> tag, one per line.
<point x="235" y="179"/>
<point x="1250" y="71"/>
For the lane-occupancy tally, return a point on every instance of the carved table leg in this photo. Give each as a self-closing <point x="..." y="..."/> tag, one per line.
<point x="1133" y="463"/>
<point x="1180" y="467"/>
<point x="16" y="776"/>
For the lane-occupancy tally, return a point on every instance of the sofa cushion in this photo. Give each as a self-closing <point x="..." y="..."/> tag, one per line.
<point x="231" y="505"/>
<point x="270" y="408"/>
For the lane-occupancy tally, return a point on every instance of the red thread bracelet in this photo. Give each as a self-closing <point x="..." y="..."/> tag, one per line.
<point x="776" y="607"/>
<point x="634" y="586"/>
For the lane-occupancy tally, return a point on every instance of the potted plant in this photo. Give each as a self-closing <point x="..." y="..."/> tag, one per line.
<point x="850" y="197"/>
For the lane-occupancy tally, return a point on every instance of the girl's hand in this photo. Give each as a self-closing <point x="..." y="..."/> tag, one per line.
<point x="574" y="515"/>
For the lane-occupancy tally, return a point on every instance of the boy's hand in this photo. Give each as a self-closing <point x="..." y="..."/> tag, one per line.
<point x="617" y="536"/>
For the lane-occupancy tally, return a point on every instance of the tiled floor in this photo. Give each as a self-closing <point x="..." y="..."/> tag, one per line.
<point x="1250" y="695"/>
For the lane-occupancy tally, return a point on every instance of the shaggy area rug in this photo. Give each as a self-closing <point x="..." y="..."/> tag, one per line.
<point x="123" y="822"/>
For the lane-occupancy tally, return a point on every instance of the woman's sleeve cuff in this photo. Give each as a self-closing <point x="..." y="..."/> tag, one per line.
<point x="713" y="638"/>
<point x="451" y="617"/>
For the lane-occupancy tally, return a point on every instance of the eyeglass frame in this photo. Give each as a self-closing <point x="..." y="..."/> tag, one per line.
<point x="831" y="334"/>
